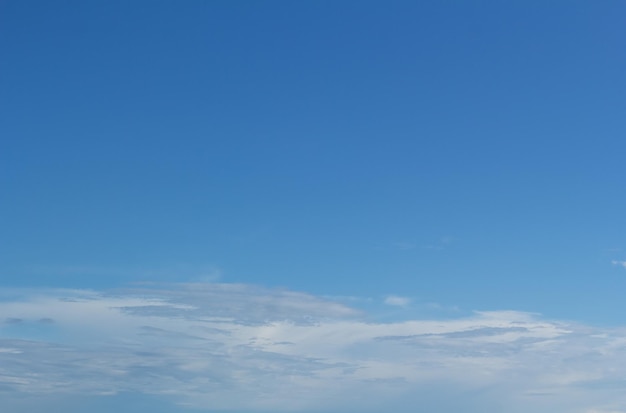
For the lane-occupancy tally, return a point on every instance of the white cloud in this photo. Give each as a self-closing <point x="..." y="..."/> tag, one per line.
<point x="404" y="245"/>
<point x="240" y="347"/>
<point x="397" y="301"/>
<point x="620" y="263"/>
<point x="605" y="411"/>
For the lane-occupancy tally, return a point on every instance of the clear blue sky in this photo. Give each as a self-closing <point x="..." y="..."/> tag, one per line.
<point x="405" y="159"/>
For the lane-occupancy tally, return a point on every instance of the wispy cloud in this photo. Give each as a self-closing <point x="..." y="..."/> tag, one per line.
<point x="619" y="263"/>
<point x="241" y="347"/>
<point x="605" y="411"/>
<point x="404" y="245"/>
<point x="441" y="244"/>
<point x="397" y="301"/>
<point x="437" y="244"/>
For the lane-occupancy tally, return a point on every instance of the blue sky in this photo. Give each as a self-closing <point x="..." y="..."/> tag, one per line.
<point x="392" y="179"/>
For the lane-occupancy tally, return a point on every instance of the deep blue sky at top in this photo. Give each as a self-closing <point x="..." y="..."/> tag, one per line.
<point x="469" y="153"/>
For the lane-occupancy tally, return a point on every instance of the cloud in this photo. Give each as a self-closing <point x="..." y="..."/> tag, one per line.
<point x="240" y="347"/>
<point x="397" y="301"/>
<point x="404" y="245"/>
<point x="620" y="263"/>
<point x="605" y="411"/>
<point x="441" y="244"/>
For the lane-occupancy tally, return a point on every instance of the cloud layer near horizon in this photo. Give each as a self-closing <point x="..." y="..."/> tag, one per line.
<point x="243" y="348"/>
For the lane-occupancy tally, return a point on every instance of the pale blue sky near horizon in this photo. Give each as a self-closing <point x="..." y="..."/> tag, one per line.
<point x="407" y="159"/>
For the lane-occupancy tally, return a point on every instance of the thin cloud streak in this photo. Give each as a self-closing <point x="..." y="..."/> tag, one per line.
<point x="397" y="301"/>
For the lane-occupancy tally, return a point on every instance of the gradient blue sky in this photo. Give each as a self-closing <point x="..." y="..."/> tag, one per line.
<point x="391" y="162"/>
